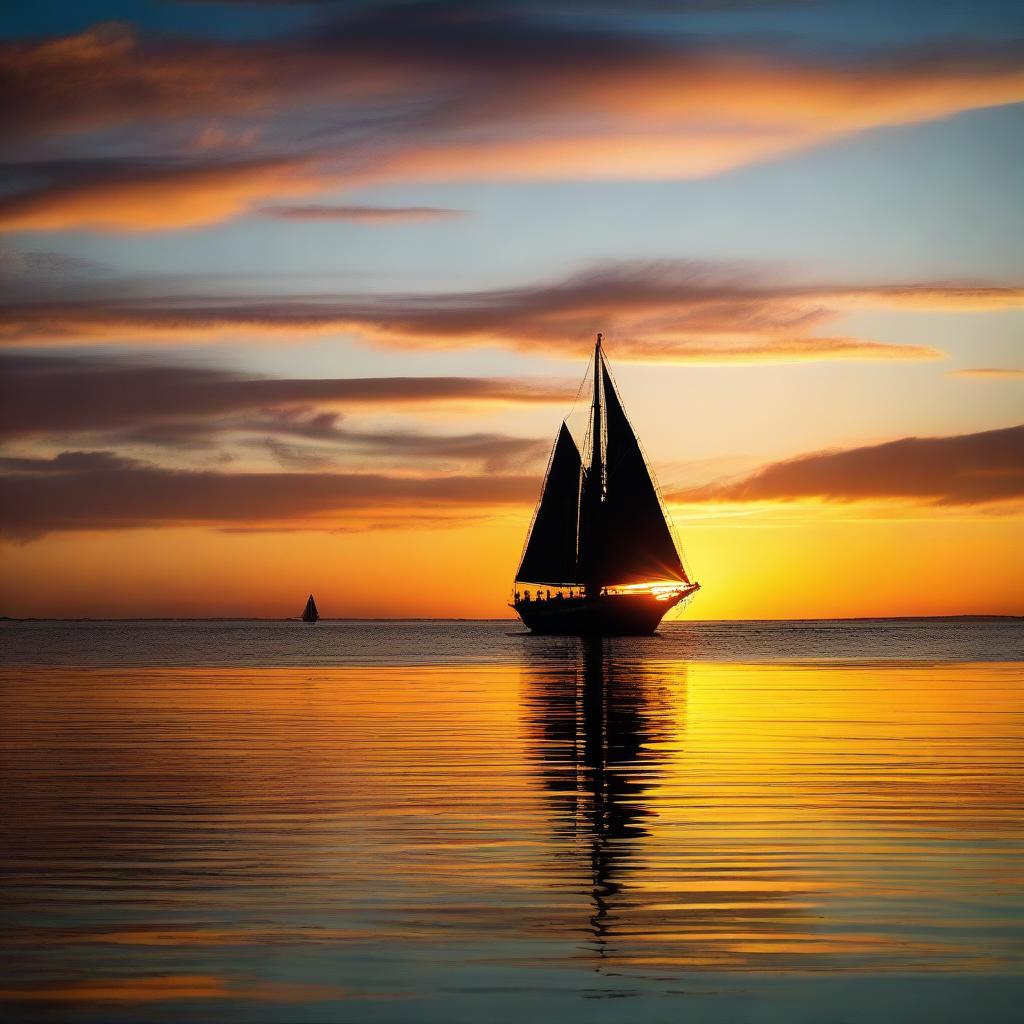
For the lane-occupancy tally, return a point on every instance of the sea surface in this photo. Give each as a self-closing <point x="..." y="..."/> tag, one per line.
<point x="801" y="822"/>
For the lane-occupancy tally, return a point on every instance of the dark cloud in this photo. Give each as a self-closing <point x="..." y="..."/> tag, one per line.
<point x="24" y="267"/>
<point x="68" y="462"/>
<point x="324" y="441"/>
<point x="379" y="520"/>
<point x="497" y="452"/>
<point x="180" y="435"/>
<point x="362" y="214"/>
<point x="67" y="394"/>
<point x="99" y="491"/>
<point x="968" y="469"/>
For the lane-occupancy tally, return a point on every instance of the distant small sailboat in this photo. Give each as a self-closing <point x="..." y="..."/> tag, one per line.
<point x="600" y="534"/>
<point x="310" y="614"/>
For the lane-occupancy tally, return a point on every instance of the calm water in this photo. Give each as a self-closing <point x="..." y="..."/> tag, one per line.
<point x="268" y="822"/>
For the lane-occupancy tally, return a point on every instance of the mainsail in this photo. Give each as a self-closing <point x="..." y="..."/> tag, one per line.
<point x="602" y="525"/>
<point x="638" y="545"/>
<point x="310" y="614"/>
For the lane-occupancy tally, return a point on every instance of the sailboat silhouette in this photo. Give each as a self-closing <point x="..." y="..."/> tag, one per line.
<point x="309" y="613"/>
<point x="600" y="534"/>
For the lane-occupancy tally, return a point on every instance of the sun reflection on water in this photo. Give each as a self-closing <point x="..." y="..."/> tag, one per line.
<point x="592" y="819"/>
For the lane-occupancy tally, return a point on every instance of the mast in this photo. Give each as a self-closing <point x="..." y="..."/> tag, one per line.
<point x="600" y="521"/>
<point x="595" y="448"/>
<point x="590" y="514"/>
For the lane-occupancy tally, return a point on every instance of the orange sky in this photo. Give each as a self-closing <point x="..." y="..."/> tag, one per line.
<point x="768" y="562"/>
<point x="294" y="309"/>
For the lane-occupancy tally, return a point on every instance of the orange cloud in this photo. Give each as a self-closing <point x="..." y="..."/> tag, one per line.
<point x="654" y="312"/>
<point x="568" y="154"/>
<point x="79" y="491"/>
<point x="428" y="95"/>
<point x="501" y="67"/>
<point x="495" y="67"/>
<point x="145" y="199"/>
<point x="950" y="298"/>
<point x="988" y="373"/>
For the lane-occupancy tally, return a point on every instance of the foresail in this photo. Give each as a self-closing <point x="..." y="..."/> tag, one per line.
<point x="637" y="544"/>
<point x="550" y="555"/>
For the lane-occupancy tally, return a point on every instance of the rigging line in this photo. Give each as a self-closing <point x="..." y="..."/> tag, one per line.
<point x="579" y="390"/>
<point x="586" y="433"/>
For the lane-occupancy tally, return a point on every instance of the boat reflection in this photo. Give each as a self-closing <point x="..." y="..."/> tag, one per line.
<point x="675" y="874"/>
<point x="600" y="724"/>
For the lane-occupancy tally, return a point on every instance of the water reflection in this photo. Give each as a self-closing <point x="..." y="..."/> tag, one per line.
<point x="327" y="844"/>
<point x="787" y="818"/>
<point x="598" y="723"/>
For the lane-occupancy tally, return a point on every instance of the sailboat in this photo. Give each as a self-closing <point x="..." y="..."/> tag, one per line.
<point x="309" y="613"/>
<point x="600" y="535"/>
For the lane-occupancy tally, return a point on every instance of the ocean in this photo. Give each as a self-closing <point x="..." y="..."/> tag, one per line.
<point x="800" y="822"/>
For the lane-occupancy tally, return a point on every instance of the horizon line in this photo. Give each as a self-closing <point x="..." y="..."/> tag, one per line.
<point x="431" y="618"/>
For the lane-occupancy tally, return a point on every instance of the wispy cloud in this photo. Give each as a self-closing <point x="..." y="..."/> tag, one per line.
<point x="63" y="394"/>
<point x="104" y="491"/>
<point x="447" y="92"/>
<point x="967" y="469"/>
<point x="667" y="311"/>
<point x="495" y="452"/>
<point x="362" y="214"/>
<point x="989" y="373"/>
<point x="144" y="196"/>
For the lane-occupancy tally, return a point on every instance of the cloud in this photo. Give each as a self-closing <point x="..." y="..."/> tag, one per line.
<point x="65" y="394"/>
<point x="21" y="268"/>
<point x="101" y="491"/>
<point x="968" y="469"/>
<point x="988" y="373"/>
<point x="130" y="196"/>
<point x="323" y="442"/>
<point x="67" y="462"/>
<point x="496" y="452"/>
<point x="446" y="92"/>
<point x="110" y="76"/>
<point x="362" y="214"/>
<point x="182" y="409"/>
<point x="662" y="311"/>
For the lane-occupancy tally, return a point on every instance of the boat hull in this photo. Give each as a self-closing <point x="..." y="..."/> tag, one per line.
<point x="606" y="615"/>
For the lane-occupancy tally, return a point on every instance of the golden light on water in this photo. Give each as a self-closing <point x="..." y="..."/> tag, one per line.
<point x="609" y="811"/>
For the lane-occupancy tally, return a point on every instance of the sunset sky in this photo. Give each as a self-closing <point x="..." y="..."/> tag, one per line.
<point x="296" y="295"/>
